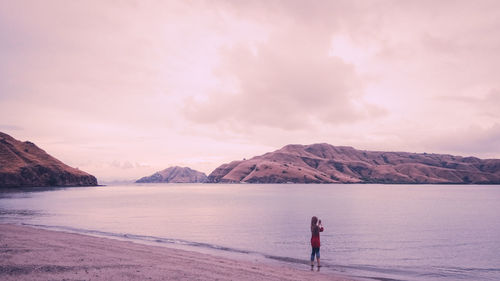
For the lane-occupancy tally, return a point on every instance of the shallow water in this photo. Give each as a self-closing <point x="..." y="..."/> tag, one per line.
<point x="396" y="232"/>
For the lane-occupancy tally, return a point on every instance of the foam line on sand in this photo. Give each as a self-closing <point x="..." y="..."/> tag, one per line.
<point x="28" y="253"/>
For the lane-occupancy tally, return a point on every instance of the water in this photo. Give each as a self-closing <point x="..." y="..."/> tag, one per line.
<point x="378" y="232"/>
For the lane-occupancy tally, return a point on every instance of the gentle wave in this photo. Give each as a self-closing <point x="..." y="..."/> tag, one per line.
<point x="145" y="238"/>
<point x="17" y="213"/>
<point x="172" y="241"/>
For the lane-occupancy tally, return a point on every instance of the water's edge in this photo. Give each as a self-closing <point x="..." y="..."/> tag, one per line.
<point x="211" y="249"/>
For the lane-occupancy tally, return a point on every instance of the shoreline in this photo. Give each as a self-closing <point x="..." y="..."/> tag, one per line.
<point x="29" y="253"/>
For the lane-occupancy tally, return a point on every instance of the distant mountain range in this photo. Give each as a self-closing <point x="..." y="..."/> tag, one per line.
<point x="23" y="164"/>
<point x="175" y="175"/>
<point x="324" y="163"/>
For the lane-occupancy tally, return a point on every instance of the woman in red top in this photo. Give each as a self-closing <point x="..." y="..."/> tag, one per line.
<point x="316" y="228"/>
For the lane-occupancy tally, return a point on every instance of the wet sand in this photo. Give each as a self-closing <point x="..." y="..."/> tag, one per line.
<point x="28" y="253"/>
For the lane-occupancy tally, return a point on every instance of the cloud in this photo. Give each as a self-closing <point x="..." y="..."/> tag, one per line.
<point x="201" y="83"/>
<point x="484" y="103"/>
<point x="474" y="140"/>
<point x="491" y="103"/>
<point x="125" y="165"/>
<point x="289" y="81"/>
<point x="7" y="127"/>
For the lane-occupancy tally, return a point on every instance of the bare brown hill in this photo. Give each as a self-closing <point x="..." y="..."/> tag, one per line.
<point x="175" y="175"/>
<point x="324" y="163"/>
<point x="23" y="164"/>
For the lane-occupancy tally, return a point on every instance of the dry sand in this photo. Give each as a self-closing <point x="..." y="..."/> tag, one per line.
<point x="28" y="253"/>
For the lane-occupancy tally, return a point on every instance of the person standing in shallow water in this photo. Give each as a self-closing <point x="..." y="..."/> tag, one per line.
<point x="316" y="228"/>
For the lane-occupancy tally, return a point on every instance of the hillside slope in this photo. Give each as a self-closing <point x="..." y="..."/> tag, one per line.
<point x="175" y="175"/>
<point x="23" y="164"/>
<point x="324" y="163"/>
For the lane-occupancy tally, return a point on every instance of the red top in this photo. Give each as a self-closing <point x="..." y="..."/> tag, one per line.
<point x="315" y="243"/>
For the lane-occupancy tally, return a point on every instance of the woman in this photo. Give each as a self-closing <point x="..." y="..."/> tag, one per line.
<point x="316" y="228"/>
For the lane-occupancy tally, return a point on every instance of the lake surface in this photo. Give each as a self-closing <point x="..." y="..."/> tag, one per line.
<point x="378" y="232"/>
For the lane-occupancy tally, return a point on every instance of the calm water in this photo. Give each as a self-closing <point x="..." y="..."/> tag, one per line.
<point x="398" y="232"/>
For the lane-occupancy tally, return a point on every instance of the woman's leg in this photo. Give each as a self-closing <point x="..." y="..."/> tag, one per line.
<point x="312" y="256"/>
<point x="317" y="257"/>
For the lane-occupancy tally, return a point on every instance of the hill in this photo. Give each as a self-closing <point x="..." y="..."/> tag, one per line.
<point x="325" y="163"/>
<point x="175" y="175"/>
<point x="23" y="164"/>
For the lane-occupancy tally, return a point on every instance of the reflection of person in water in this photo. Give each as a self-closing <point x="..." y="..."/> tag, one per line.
<point x="316" y="228"/>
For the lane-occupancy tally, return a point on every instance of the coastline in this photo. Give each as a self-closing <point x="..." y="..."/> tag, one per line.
<point x="28" y="253"/>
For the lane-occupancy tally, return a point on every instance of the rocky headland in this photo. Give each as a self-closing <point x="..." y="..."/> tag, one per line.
<point x="23" y="164"/>
<point x="324" y="163"/>
<point x="175" y="174"/>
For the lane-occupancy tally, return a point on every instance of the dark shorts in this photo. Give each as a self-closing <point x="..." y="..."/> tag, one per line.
<point x="315" y="251"/>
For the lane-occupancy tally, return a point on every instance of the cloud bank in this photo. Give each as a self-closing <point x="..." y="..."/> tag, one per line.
<point x="105" y="85"/>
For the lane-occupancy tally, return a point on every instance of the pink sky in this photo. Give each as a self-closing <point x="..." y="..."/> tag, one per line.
<point x="122" y="89"/>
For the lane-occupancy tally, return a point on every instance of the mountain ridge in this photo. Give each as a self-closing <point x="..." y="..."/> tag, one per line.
<point x="325" y="163"/>
<point x="175" y="174"/>
<point x="23" y="164"/>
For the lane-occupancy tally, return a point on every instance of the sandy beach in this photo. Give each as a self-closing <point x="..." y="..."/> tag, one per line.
<point x="28" y="253"/>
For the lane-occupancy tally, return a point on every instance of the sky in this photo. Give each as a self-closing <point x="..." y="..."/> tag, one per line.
<point x="122" y="89"/>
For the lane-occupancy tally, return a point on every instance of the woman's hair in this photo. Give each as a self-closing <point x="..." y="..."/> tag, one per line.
<point x="314" y="225"/>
